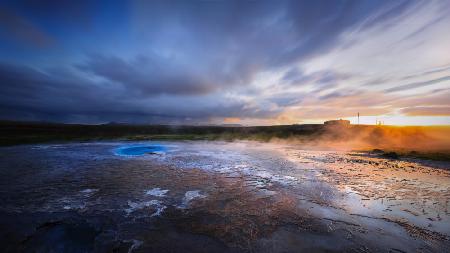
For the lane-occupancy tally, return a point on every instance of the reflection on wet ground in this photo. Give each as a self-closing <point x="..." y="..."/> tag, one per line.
<point x="219" y="197"/>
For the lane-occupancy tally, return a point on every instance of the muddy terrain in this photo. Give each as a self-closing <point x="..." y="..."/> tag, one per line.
<point x="219" y="197"/>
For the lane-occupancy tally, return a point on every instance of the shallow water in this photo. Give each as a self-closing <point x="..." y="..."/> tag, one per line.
<point x="218" y="197"/>
<point x="139" y="149"/>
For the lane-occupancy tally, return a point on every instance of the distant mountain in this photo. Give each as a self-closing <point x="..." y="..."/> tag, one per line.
<point x="113" y="123"/>
<point x="230" y="125"/>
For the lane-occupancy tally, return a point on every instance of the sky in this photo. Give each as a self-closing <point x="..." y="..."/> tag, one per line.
<point x="225" y="62"/>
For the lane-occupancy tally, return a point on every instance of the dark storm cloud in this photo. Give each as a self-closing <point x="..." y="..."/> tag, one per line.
<point x="60" y="95"/>
<point x="152" y="61"/>
<point x="36" y="92"/>
<point x="241" y="38"/>
<point x="148" y="76"/>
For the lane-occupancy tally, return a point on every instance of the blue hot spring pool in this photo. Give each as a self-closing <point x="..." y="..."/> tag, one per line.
<point x="138" y="150"/>
<point x="220" y="197"/>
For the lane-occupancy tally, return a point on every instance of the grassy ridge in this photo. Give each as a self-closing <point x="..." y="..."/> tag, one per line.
<point x="13" y="133"/>
<point x="420" y="142"/>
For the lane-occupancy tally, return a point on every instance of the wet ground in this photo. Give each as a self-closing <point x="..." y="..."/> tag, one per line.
<point x="218" y="197"/>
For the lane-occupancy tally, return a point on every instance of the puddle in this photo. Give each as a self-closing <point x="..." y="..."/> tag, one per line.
<point x="241" y="197"/>
<point x="189" y="196"/>
<point x="157" y="192"/>
<point x="154" y="204"/>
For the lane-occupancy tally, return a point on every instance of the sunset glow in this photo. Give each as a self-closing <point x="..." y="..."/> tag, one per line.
<point x="220" y="62"/>
<point x="228" y="126"/>
<point x="400" y="120"/>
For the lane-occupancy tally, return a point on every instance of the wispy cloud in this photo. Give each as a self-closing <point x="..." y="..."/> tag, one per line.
<point x="426" y="111"/>
<point x="419" y="84"/>
<point x="197" y="62"/>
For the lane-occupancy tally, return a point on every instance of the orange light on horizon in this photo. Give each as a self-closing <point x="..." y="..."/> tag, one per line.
<point x="231" y="120"/>
<point x="401" y="120"/>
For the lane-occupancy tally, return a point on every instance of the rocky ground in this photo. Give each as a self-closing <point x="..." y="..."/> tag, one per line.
<point x="219" y="197"/>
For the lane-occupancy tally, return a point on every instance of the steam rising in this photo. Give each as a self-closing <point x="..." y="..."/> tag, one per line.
<point x="411" y="138"/>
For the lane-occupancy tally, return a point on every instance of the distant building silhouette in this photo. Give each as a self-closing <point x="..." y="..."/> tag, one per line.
<point x="340" y="122"/>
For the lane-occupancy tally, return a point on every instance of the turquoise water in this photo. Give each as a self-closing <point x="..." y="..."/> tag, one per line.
<point x="113" y="197"/>
<point x="138" y="150"/>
